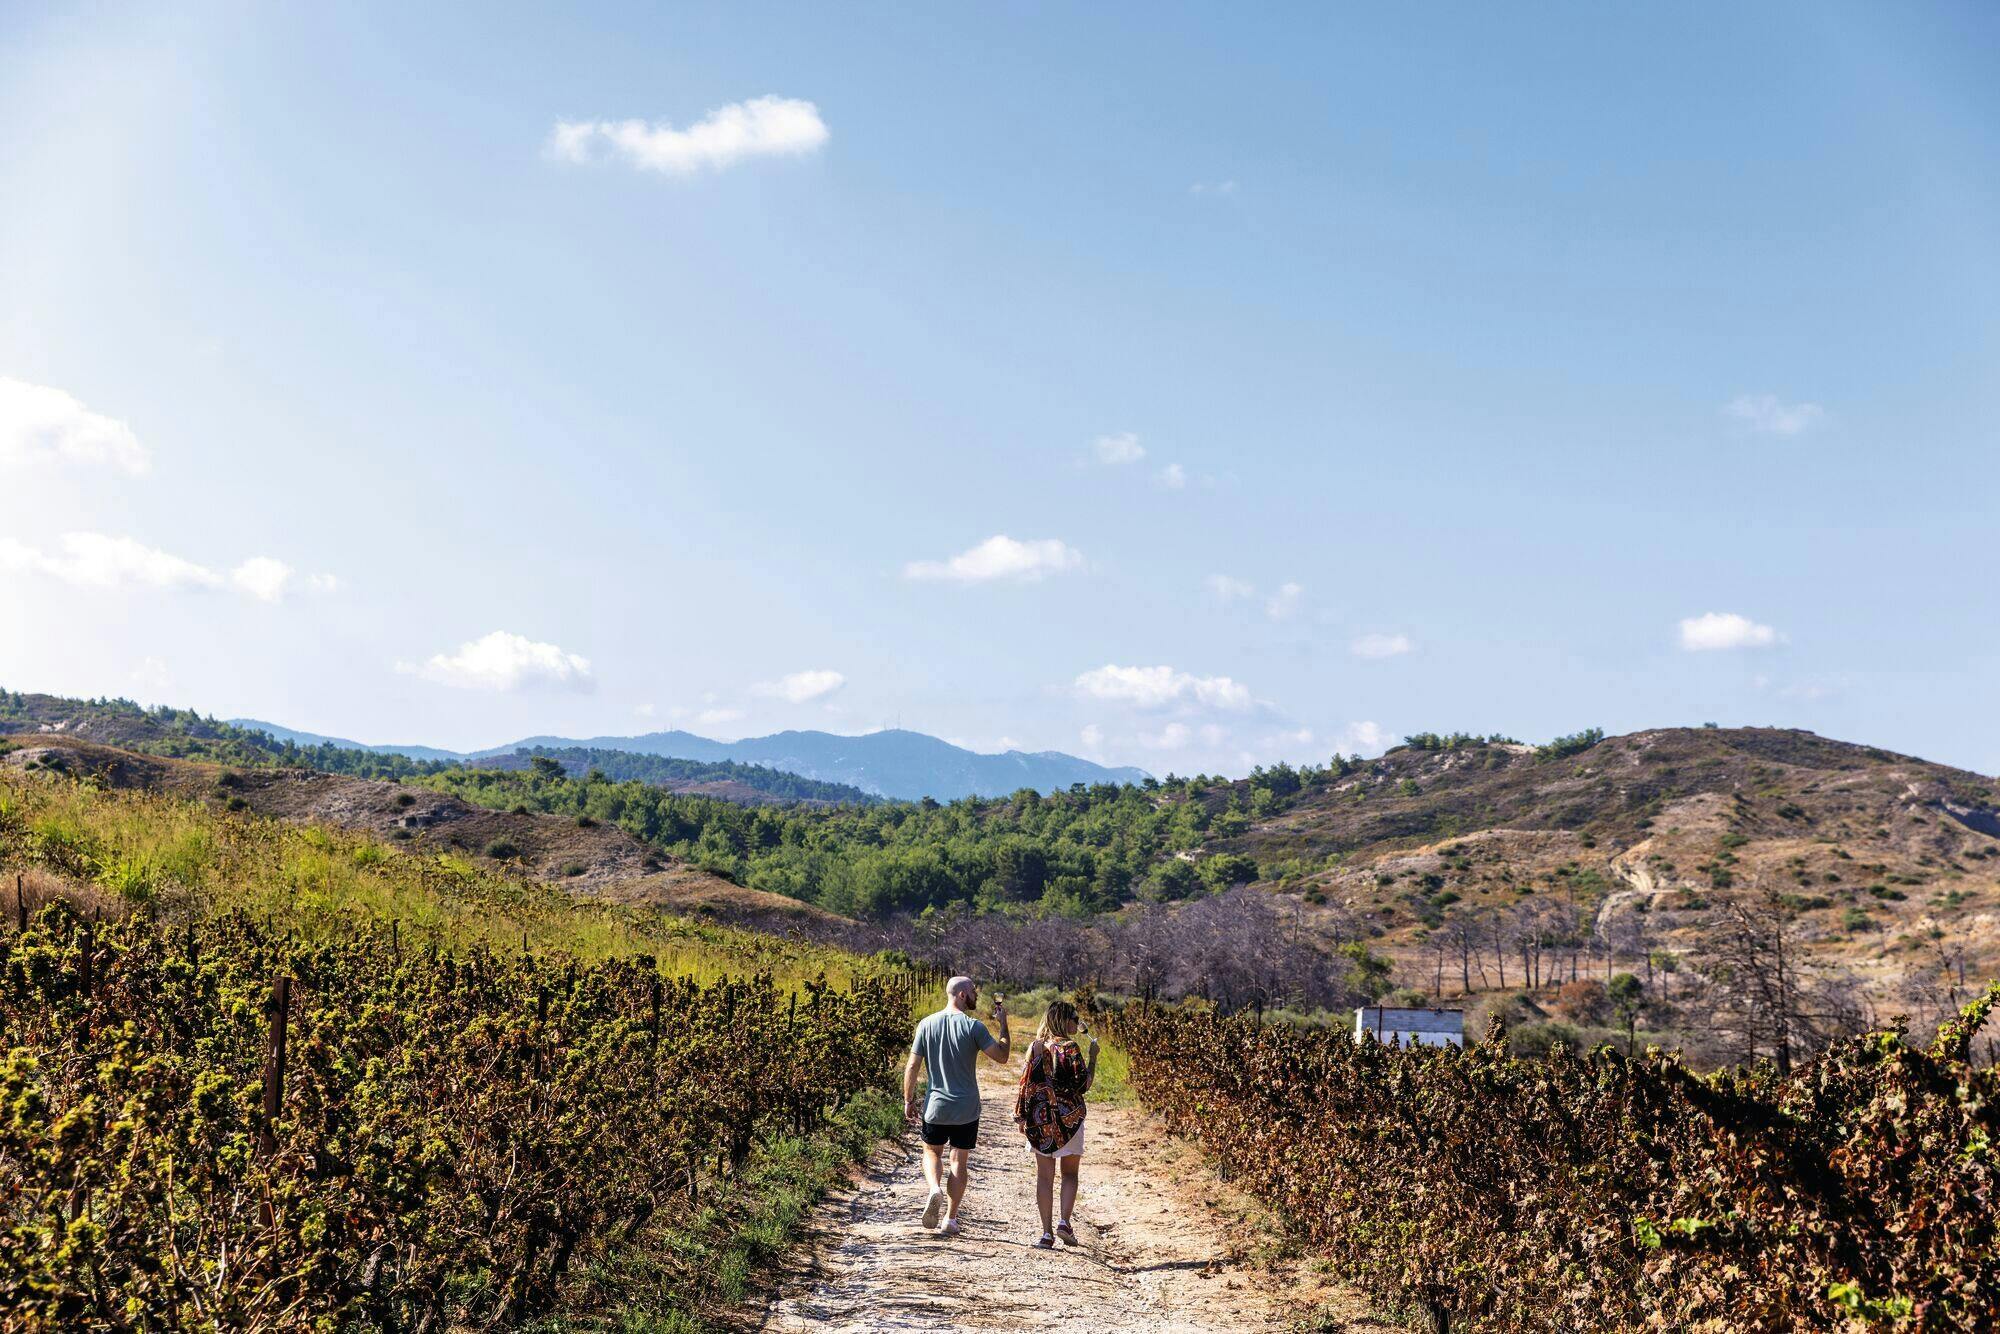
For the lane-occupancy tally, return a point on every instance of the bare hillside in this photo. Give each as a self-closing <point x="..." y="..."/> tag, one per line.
<point x="1887" y="865"/>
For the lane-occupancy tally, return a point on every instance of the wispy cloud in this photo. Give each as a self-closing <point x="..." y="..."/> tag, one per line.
<point x="1284" y="604"/>
<point x="1381" y="646"/>
<point x="1000" y="558"/>
<point x="1768" y="415"/>
<point x="761" y="127"/>
<point x="1212" y="188"/>
<point x="1363" y="738"/>
<point x="1154" y="687"/>
<point x="1717" y="630"/>
<point x="42" y="425"/>
<point x="98" y="560"/>
<point x="1118" y="449"/>
<point x="505" y="661"/>
<point x="801" y="687"/>
<point x="262" y="578"/>
<point x="1281" y="604"/>
<point x="1173" y="477"/>
<point x="152" y="679"/>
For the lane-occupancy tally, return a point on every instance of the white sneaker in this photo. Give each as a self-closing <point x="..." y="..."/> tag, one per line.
<point x="949" y="1229"/>
<point x="933" y="1207"/>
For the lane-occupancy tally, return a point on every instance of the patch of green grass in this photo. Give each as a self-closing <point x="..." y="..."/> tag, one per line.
<point x="693" y="1274"/>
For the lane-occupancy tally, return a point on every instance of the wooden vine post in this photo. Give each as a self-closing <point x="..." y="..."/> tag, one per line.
<point x="20" y="902"/>
<point x="279" y="1010"/>
<point x="274" y="1065"/>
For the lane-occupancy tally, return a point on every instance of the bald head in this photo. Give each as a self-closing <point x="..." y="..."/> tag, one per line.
<point x="961" y="992"/>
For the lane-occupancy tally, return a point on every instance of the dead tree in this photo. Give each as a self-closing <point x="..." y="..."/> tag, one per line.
<point x="1765" y="995"/>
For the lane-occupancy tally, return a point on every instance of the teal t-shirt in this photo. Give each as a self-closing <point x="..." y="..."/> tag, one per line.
<point x="949" y="1043"/>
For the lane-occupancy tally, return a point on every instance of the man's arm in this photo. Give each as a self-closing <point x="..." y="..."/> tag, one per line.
<point x="1003" y="1042"/>
<point x="910" y="1084"/>
<point x="1090" y="1075"/>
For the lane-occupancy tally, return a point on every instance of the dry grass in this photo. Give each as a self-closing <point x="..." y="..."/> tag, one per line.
<point x="24" y="890"/>
<point x="121" y="851"/>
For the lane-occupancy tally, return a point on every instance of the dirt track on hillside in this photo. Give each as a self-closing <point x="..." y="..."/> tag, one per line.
<point x="1164" y="1245"/>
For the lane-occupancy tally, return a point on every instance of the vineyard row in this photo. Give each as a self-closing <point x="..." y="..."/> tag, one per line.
<point x="1593" y="1191"/>
<point x="221" y="1126"/>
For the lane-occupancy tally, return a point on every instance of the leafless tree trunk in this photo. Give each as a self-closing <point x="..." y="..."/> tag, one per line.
<point x="1766" y="996"/>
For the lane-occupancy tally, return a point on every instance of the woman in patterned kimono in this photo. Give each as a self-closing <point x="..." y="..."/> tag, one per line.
<point x="1050" y="1111"/>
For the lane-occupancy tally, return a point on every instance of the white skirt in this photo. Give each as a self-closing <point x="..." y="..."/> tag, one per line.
<point x="1072" y="1147"/>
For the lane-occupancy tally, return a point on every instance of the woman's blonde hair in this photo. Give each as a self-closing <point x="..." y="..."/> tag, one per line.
<point x="1058" y="1021"/>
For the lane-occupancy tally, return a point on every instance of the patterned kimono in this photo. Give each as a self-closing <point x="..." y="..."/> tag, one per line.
<point x="1050" y="1103"/>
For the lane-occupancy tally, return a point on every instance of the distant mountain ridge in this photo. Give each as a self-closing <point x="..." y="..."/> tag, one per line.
<point x="903" y="765"/>
<point x="299" y="738"/>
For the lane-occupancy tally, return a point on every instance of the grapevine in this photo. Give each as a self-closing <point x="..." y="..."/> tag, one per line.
<point x="454" y="1129"/>
<point x="1593" y="1191"/>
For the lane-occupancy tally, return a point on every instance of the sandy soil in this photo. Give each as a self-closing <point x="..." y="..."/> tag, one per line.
<point x="1164" y="1245"/>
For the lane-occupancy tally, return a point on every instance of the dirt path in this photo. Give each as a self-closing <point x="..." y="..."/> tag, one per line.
<point x="1163" y="1244"/>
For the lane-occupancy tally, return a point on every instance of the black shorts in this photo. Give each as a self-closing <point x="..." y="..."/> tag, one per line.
<point x="959" y="1137"/>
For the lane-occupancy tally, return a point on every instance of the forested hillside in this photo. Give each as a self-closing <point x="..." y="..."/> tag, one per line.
<point x="185" y="734"/>
<point x="1629" y="886"/>
<point x="748" y="784"/>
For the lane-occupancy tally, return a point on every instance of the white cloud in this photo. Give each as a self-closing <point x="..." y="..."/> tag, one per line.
<point x="1154" y="687"/>
<point x="760" y="127"/>
<point x="262" y="578"/>
<point x="98" y="560"/>
<point x="1000" y="557"/>
<point x="1212" y="188"/>
<point x="1173" y="477"/>
<point x="322" y="583"/>
<point x="41" y="425"/>
<point x="504" y="661"/>
<point x="151" y="679"/>
<point x="1283" y="603"/>
<point x="1229" y="588"/>
<point x="800" y="687"/>
<point x="1724" y="630"/>
<point x="95" y="560"/>
<point x="1118" y="449"/>
<point x="1174" y="736"/>
<point x="1091" y="738"/>
<point x="1766" y="414"/>
<point x="1381" y="646"/>
<point x="643" y="710"/>
<point x="714" y="716"/>
<point x="1363" y="738"/>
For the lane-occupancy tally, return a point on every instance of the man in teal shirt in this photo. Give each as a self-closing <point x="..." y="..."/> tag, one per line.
<point x="947" y="1046"/>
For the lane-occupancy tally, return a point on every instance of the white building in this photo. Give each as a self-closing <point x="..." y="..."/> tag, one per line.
<point x="1411" y="1027"/>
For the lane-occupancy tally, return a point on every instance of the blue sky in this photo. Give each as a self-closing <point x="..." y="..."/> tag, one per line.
<point x="1329" y="373"/>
